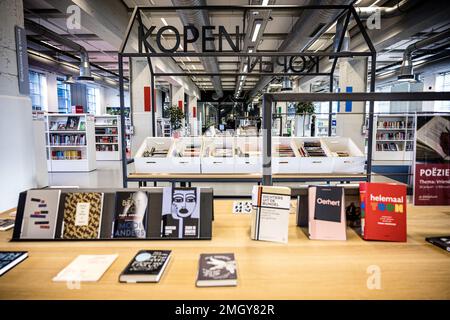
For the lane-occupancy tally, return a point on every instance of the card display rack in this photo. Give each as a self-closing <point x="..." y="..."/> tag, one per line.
<point x="70" y="140"/>
<point x="107" y="137"/>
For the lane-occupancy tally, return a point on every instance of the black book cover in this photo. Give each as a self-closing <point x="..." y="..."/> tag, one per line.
<point x="72" y="123"/>
<point x="131" y="215"/>
<point x="328" y="204"/>
<point x="441" y="242"/>
<point x="216" y="267"/>
<point x="147" y="262"/>
<point x="8" y="258"/>
<point x="181" y="213"/>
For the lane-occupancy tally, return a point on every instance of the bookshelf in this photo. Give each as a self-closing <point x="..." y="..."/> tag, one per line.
<point x="70" y="143"/>
<point x="108" y="142"/>
<point x="394" y="138"/>
<point x="115" y="111"/>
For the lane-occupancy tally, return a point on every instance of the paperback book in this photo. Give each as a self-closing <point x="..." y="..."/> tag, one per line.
<point x="326" y="208"/>
<point x="40" y="214"/>
<point x="131" y="215"/>
<point x="270" y="217"/>
<point x="217" y="269"/>
<point x="384" y="206"/>
<point x="82" y="215"/>
<point x="9" y="259"/>
<point x="180" y="213"/>
<point x="441" y="242"/>
<point x="86" y="268"/>
<point x="6" y="224"/>
<point x="146" y="266"/>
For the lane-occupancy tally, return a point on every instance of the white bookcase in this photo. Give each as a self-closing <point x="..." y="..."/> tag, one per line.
<point x="393" y="138"/>
<point x="108" y="143"/>
<point x="70" y="142"/>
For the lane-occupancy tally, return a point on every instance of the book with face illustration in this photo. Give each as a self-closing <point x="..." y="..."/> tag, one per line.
<point x="40" y="213"/>
<point x="217" y="270"/>
<point x="131" y="215"/>
<point x="180" y="213"/>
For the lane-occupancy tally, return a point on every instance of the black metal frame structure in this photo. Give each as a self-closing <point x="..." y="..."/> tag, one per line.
<point x="346" y="12"/>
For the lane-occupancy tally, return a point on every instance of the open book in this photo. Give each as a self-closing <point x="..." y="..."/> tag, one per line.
<point x="435" y="136"/>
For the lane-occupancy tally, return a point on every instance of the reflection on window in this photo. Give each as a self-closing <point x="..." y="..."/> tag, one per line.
<point x="442" y="84"/>
<point x="37" y="90"/>
<point x="63" y="96"/>
<point x="93" y="100"/>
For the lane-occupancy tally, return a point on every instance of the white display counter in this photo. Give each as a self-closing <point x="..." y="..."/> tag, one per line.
<point x="290" y="155"/>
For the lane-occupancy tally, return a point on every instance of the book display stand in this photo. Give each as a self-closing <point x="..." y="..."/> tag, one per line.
<point x="153" y="218"/>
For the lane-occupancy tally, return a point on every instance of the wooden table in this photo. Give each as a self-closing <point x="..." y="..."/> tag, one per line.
<point x="302" y="269"/>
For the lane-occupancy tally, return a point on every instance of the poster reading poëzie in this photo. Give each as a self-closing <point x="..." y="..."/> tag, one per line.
<point x="432" y="161"/>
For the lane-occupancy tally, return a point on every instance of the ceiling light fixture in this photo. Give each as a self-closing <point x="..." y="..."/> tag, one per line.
<point x="265" y="2"/>
<point x="256" y="30"/>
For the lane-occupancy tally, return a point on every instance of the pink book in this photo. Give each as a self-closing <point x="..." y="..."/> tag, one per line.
<point x="326" y="213"/>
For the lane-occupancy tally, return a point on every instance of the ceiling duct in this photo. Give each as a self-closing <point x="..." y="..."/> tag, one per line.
<point x="198" y="19"/>
<point x="406" y="69"/>
<point x="386" y="12"/>
<point x="303" y="34"/>
<point x="85" y="68"/>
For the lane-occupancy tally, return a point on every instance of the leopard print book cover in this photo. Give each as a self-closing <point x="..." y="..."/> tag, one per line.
<point x="92" y="229"/>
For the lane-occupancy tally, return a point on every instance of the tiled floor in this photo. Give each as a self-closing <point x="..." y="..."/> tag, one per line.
<point x="109" y="175"/>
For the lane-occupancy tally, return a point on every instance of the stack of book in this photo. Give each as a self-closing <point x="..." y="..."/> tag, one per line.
<point x="156" y="153"/>
<point x="191" y="150"/>
<point x="284" y="150"/>
<point x="312" y="149"/>
<point x="222" y="152"/>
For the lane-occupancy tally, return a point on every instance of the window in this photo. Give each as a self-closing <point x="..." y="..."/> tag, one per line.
<point x="93" y="100"/>
<point x="38" y="90"/>
<point x="63" y="96"/>
<point x="442" y="84"/>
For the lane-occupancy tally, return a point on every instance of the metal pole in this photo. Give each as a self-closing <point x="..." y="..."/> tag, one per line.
<point x="330" y="106"/>
<point x="267" y="140"/>
<point x="153" y="102"/>
<point x="371" y="112"/>
<point x="122" y="123"/>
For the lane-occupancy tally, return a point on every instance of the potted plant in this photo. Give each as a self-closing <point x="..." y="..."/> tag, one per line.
<point x="176" y="116"/>
<point x="304" y="111"/>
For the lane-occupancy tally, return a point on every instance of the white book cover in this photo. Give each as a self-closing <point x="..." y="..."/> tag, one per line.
<point x="40" y="214"/>
<point x="271" y="207"/>
<point x="86" y="268"/>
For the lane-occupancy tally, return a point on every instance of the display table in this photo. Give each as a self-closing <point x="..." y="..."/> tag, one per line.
<point x="243" y="177"/>
<point x="302" y="269"/>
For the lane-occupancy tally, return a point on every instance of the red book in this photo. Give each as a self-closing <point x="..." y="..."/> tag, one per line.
<point x="384" y="211"/>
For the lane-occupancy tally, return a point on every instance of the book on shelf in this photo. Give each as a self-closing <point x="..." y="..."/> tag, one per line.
<point x="216" y="269"/>
<point x="270" y="217"/>
<point x="440" y="242"/>
<point x="40" y="214"/>
<point x="180" y="213"/>
<point x="6" y="224"/>
<point x="146" y="266"/>
<point x="66" y="155"/>
<point x="327" y="220"/>
<point x="130" y="214"/>
<point x="384" y="206"/>
<point x="9" y="259"/>
<point x="86" y="268"/>
<point x="72" y="123"/>
<point x="82" y="215"/>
